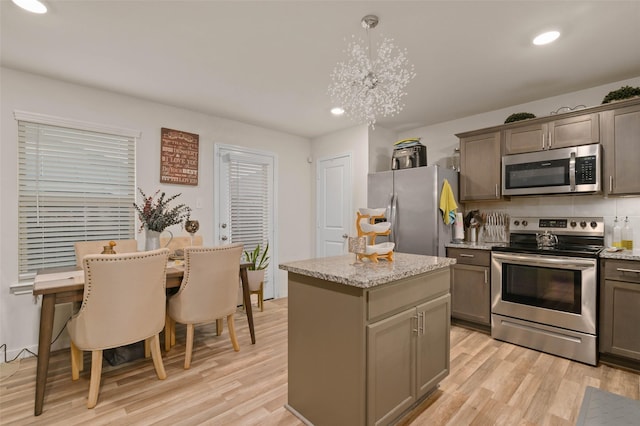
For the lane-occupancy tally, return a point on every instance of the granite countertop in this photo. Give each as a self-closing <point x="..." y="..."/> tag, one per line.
<point x="604" y="254"/>
<point x="475" y="246"/>
<point x="621" y="255"/>
<point x="366" y="274"/>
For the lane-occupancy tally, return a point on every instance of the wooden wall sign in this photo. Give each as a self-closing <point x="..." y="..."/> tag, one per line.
<point x="178" y="157"/>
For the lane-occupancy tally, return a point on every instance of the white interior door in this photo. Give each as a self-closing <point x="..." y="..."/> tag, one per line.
<point x="245" y="198"/>
<point x="333" y="204"/>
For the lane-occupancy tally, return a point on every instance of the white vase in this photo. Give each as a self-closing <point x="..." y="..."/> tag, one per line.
<point x="152" y="240"/>
<point x="255" y="278"/>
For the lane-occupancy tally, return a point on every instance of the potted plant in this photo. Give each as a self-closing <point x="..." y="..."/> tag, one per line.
<point x="259" y="260"/>
<point x="155" y="216"/>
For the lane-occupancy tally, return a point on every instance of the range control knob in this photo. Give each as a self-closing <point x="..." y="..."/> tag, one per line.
<point x="594" y="224"/>
<point x="573" y="223"/>
<point x="525" y="223"/>
<point x="583" y="224"/>
<point x="516" y="222"/>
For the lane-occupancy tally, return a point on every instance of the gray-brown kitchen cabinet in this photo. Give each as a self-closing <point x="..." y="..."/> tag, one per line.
<point x="471" y="285"/>
<point x="559" y="133"/>
<point x="621" y="142"/>
<point x="620" y="308"/>
<point x="407" y="356"/>
<point x="480" y="156"/>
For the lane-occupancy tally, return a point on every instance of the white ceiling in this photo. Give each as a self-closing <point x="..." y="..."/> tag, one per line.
<point x="268" y="62"/>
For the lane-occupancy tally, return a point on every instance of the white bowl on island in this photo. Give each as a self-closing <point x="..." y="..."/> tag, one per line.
<point x="372" y="212"/>
<point x="380" y="227"/>
<point x="382" y="248"/>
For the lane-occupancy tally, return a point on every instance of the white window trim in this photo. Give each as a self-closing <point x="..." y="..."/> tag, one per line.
<point x="53" y="120"/>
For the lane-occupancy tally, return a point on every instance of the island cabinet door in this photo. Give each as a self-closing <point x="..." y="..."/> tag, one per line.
<point x="432" y="360"/>
<point x="391" y="366"/>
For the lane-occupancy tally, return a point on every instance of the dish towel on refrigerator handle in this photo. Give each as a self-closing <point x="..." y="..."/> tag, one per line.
<point x="448" y="204"/>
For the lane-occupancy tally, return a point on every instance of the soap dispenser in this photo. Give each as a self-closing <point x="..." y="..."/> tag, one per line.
<point x="627" y="235"/>
<point x="617" y="234"/>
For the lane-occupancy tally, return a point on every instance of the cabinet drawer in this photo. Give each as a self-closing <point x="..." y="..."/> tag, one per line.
<point x="622" y="270"/>
<point x="406" y="293"/>
<point x="470" y="256"/>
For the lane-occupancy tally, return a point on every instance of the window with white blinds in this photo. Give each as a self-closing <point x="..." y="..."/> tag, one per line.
<point x="74" y="185"/>
<point x="250" y="201"/>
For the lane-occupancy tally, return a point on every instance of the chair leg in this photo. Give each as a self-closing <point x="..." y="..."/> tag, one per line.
<point x="147" y="349"/>
<point x="173" y="332"/>
<point x="76" y="362"/>
<point x="232" y="333"/>
<point x="157" y="356"/>
<point x="218" y="326"/>
<point x="189" y="349"/>
<point x="94" y="383"/>
<point x="167" y="333"/>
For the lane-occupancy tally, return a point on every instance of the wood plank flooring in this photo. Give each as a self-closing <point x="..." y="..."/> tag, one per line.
<point x="491" y="383"/>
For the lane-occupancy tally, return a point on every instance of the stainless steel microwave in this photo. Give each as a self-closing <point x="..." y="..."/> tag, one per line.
<point x="556" y="171"/>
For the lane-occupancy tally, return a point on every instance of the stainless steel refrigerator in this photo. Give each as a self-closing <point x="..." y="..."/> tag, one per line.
<point x="412" y="199"/>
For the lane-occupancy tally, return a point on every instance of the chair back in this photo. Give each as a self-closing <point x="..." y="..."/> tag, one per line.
<point x="209" y="288"/>
<point x="180" y="242"/>
<point x="84" y="248"/>
<point x="124" y="299"/>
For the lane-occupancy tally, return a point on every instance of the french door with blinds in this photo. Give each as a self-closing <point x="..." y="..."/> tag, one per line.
<point x="244" y="199"/>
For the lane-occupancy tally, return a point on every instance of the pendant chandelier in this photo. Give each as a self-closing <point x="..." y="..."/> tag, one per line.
<point x="366" y="87"/>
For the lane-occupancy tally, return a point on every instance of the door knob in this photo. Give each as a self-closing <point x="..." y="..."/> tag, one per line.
<point x="345" y="236"/>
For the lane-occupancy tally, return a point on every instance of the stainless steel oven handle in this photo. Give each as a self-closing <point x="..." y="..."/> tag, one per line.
<point x="572" y="172"/>
<point x="563" y="262"/>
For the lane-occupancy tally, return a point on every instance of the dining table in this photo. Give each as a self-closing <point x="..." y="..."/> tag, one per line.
<point x="64" y="285"/>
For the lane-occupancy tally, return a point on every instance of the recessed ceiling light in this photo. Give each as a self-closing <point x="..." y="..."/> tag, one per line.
<point x="34" y="6"/>
<point x="546" y="38"/>
<point x="337" y="111"/>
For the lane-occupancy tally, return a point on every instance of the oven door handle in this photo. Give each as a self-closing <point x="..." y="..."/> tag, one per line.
<point x="561" y="262"/>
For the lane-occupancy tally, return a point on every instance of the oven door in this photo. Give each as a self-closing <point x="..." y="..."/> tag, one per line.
<point x="546" y="289"/>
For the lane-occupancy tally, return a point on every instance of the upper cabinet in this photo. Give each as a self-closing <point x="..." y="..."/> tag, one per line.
<point x="621" y="143"/>
<point x="480" y="166"/>
<point x="571" y="131"/>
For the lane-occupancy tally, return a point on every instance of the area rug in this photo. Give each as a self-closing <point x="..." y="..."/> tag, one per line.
<point x="602" y="408"/>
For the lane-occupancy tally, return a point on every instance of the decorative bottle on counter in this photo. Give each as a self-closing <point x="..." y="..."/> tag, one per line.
<point x="627" y="235"/>
<point x="617" y="234"/>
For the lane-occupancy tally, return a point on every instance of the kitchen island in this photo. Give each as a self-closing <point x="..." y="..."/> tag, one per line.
<point x="367" y="341"/>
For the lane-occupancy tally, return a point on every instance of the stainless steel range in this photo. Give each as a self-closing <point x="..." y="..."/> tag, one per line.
<point x="544" y="285"/>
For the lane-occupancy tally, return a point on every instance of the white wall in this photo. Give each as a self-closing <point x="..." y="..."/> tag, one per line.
<point x="353" y="141"/>
<point x="441" y="141"/>
<point x="380" y="149"/>
<point x="19" y="314"/>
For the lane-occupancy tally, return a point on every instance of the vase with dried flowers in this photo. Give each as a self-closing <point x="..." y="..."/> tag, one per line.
<point x="156" y="215"/>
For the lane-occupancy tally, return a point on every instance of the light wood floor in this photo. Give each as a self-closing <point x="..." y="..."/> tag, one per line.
<point x="491" y="382"/>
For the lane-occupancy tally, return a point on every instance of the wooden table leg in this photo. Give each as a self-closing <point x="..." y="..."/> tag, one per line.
<point x="44" y="348"/>
<point x="247" y="302"/>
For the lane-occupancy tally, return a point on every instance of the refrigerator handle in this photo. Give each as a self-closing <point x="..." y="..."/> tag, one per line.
<point x="394" y="219"/>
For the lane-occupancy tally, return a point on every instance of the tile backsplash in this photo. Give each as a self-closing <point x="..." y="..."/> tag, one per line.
<point x="577" y="205"/>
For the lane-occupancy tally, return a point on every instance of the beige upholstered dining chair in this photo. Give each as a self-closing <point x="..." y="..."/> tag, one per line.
<point x="84" y="248"/>
<point x="208" y="291"/>
<point x="124" y="302"/>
